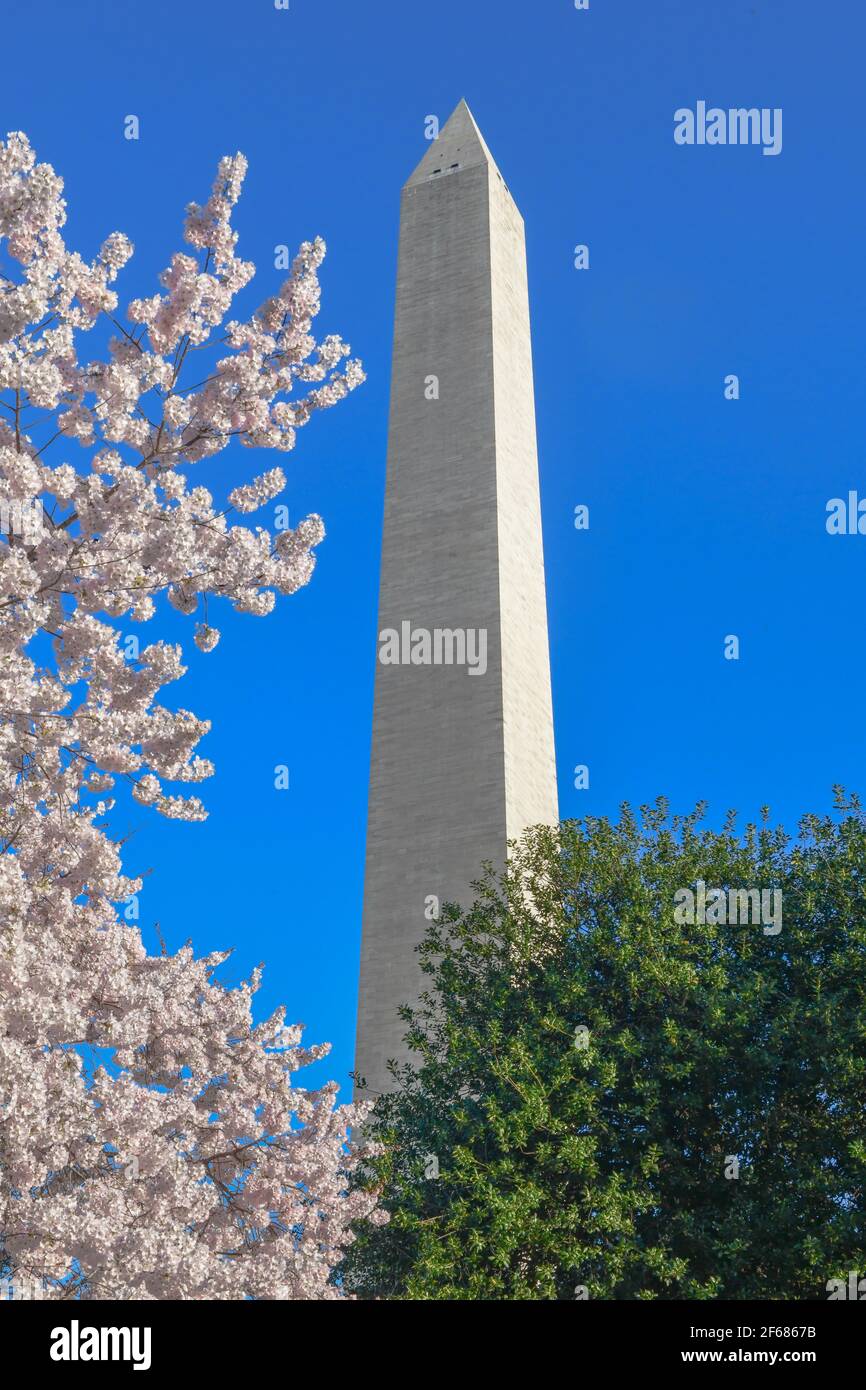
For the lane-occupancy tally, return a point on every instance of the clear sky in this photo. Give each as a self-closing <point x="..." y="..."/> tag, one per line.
<point x="707" y="516"/>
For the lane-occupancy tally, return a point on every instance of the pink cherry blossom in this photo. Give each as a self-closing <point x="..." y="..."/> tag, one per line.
<point x="154" y="1144"/>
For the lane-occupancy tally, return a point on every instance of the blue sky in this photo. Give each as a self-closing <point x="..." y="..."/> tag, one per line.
<point x="707" y="515"/>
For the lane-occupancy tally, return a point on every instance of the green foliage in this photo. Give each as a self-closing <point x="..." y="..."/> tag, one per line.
<point x="603" y="1166"/>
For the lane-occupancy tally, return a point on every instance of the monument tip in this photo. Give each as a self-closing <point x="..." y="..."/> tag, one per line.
<point x="458" y="145"/>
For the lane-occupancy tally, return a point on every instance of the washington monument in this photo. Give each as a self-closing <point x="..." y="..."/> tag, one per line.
<point x="462" y="756"/>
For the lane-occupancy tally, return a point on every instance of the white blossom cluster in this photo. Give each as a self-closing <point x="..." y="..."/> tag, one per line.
<point x="152" y="1144"/>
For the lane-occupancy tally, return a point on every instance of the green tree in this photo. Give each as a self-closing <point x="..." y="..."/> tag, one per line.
<point x="591" y="1072"/>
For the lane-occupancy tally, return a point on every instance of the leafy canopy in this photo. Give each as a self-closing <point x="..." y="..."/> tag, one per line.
<point x="524" y="1158"/>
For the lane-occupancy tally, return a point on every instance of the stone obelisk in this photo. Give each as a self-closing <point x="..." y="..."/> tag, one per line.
<point x="462" y="755"/>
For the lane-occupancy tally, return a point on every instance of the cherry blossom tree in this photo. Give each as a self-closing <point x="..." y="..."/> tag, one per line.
<point x="152" y="1142"/>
